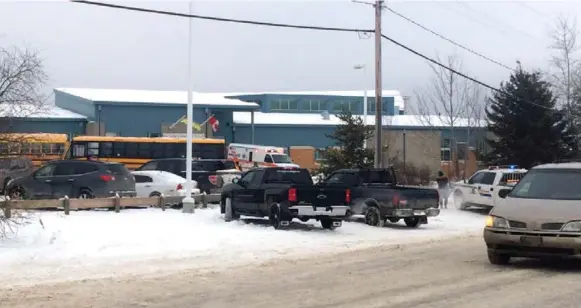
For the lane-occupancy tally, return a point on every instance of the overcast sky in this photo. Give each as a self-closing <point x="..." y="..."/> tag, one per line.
<point x="88" y="46"/>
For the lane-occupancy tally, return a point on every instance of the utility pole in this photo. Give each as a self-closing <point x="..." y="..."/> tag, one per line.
<point x="378" y="90"/>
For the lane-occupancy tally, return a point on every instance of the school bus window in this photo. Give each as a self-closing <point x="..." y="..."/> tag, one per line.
<point x="93" y="149"/>
<point x="25" y="149"/>
<point x="46" y="148"/>
<point x="79" y="150"/>
<point x="60" y="148"/>
<point x="36" y="148"/>
<point x="157" y="150"/>
<point x="130" y="149"/>
<point x="143" y="150"/>
<point x="14" y="148"/>
<point x="106" y="149"/>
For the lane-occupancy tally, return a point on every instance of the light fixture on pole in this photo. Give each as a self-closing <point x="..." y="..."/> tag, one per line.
<point x="363" y="67"/>
<point x="188" y="202"/>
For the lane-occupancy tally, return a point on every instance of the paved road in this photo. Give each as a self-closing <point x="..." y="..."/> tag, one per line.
<point x="450" y="273"/>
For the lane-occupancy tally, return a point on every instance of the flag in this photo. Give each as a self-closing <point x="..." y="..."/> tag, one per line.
<point x="214" y="123"/>
<point x="195" y="125"/>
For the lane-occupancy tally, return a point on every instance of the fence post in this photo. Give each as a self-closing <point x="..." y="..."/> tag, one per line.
<point x="162" y="202"/>
<point x="117" y="201"/>
<point x="204" y="201"/>
<point x="7" y="212"/>
<point x="67" y="205"/>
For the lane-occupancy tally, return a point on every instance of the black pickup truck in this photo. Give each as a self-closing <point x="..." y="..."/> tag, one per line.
<point x="282" y="194"/>
<point x="375" y="194"/>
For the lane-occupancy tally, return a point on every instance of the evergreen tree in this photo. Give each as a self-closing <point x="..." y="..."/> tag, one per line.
<point x="528" y="128"/>
<point x="349" y="150"/>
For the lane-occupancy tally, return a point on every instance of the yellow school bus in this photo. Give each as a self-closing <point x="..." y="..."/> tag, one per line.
<point x="39" y="147"/>
<point x="135" y="151"/>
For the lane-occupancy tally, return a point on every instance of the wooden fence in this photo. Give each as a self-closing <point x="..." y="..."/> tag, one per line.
<point x="115" y="203"/>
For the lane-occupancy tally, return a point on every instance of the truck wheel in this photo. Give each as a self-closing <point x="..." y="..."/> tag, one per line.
<point x="498" y="258"/>
<point x="327" y="223"/>
<point x="275" y="218"/>
<point x="229" y="212"/>
<point x="373" y="217"/>
<point x="412" y="222"/>
<point x="459" y="200"/>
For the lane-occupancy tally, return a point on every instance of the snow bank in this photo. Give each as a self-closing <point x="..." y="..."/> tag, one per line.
<point x="102" y="244"/>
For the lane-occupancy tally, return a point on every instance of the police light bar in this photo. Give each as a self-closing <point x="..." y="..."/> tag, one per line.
<point x="512" y="167"/>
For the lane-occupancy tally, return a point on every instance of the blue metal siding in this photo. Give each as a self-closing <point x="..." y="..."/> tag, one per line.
<point x="138" y="121"/>
<point x="49" y="126"/>
<point x="75" y="104"/>
<point x="285" y="136"/>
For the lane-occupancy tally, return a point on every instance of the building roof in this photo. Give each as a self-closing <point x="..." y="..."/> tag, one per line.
<point x="397" y="97"/>
<point x="38" y="112"/>
<point x="155" y="97"/>
<point x="310" y="119"/>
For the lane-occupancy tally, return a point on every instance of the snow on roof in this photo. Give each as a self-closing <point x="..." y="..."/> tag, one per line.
<point x="261" y="118"/>
<point x="397" y="97"/>
<point x="37" y="112"/>
<point x="154" y="97"/>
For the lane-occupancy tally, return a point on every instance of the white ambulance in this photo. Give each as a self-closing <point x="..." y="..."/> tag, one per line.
<point x="250" y="155"/>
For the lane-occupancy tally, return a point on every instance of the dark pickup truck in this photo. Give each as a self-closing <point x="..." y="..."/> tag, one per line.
<point x="282" y="194"/>
<point x="375" y="194"/>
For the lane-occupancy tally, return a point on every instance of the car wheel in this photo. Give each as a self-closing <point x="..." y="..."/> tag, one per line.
<point x="459" y="200"/>
<point x="86" y="194"/>
<point x="373" y="217"/>
<point x="498" y="258"/>
<point x="229" y="211"/>
<point x="275" y="218"/>
<point x="413" y="222"/>
<point x="5" y="185"/>
<point x="16" y="193"/>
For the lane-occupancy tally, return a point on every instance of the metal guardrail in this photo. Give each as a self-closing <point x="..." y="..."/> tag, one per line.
<point x="117" y="203"/>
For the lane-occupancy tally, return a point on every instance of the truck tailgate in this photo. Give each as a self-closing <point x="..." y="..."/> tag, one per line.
<point x="417" y="197"/>
<point x="321" y="196"/>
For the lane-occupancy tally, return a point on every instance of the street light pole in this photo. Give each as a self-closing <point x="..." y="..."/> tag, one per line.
<point x="364" y="68"/>
<point x="188" y="202"/>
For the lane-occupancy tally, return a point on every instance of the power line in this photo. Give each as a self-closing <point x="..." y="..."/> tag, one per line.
<point x="232" y="20"/>
<point x="281" y="25"/>
<point x="449" y="40"/>
<point x="417" y="53"/>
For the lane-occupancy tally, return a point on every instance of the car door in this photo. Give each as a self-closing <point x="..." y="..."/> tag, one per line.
<point x="243" y="198"/>
<point x="39" y="184"/>
<point x="143" y="185"/>
<point x="470" y="189"/>
<point x="486" y="187"/>
<point x="257" y="190"/>
<point x="63" y="180"/>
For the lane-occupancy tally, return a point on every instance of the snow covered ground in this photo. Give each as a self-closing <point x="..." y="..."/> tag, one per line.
<point x="91" y="244"/>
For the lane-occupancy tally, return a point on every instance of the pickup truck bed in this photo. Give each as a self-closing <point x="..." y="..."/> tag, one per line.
<point x="375" y="195"/>
<point x="282" y="194"/>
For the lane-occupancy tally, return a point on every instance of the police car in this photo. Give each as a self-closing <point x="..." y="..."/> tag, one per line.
<point x="481" y="189"/>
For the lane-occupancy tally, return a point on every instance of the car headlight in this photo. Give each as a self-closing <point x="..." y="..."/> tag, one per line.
<point x="496" y="222"/>
<point x="572" y="226"/>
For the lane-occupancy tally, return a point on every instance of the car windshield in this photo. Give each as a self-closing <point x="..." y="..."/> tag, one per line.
<point x="281" y="159"/>
<point x="551" y="184"/>
<point x="295" y="176"/>
<point x="117" y="169"/>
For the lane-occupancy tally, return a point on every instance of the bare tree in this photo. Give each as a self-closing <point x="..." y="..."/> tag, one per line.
<point x="446" y="101"/>
<point x="22" y="77"/>
<point x="566" y="64"/>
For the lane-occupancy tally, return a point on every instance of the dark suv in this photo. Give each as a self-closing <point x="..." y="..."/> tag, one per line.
<point x="210" y="174"/>
<point x="14" y="167"/>
<point x="76" y="179"/>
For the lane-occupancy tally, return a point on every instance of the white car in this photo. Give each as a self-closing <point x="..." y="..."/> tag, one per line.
<point x="481" y="189"/>
<point x="154" y="183"/>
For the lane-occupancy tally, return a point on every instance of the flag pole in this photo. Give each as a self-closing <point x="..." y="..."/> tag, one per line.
<point x="176" y="122"/>
<point x="188" y="202"/>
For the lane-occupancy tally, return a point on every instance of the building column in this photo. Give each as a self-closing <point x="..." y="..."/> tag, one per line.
<point x="252" y="126"/>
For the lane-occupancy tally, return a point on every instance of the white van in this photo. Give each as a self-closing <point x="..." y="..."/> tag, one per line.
<point x="251" y="155"/>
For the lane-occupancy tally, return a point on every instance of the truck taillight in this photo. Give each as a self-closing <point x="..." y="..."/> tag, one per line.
<point x="348" y="195"/>
<point x="292" y="194"/>
<point x="107" y="178"/>
<point x="213" y="179"/>
<point x="395" y="199"/>
<point x="180" y="187"/>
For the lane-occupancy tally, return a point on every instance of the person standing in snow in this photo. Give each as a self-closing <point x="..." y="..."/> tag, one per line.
<point x="443" y="189"/>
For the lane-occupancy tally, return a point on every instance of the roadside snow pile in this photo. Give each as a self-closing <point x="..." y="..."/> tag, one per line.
<point x="100" y="244"/>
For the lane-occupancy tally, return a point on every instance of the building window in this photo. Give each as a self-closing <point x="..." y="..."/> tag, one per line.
<point x="446" y="143"/>
<point x="283" y="104"/>
<point x="319" y="154"/>
<point x="445" y="154"/>
<point x="371" y="107"/>
<point x="461" y="150"/>
<point x="345" y="105"/>
<point x="314" y="105"/>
